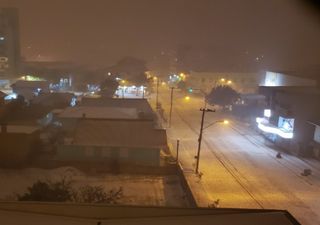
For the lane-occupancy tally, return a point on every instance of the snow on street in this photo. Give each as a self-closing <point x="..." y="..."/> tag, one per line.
<point x="239" y="168"/>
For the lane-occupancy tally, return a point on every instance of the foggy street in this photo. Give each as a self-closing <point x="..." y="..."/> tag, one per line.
<point x="239" y="168"/>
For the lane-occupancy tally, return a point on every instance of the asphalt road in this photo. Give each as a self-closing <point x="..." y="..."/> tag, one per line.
<point x="240" y="169"/>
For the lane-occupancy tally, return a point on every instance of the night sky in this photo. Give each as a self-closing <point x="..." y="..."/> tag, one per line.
<point x="281" y="33"/>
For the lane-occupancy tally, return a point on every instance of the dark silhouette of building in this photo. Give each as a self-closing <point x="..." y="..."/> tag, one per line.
<point x="9" y="42"/>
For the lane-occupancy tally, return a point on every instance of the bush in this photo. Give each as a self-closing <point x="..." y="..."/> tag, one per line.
<point x="62" y="191"/>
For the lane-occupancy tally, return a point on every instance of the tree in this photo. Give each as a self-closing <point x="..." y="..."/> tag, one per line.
<point x="222" y="95"/>
<point x="131" y="69"/>
<point x="63" y="191"/>
<point x="182" y="85"/>
<point x="108" y="87"/>
<point x="59" y="191"/>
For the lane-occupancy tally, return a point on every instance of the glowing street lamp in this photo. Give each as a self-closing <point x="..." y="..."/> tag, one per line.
<point x="187" y="98"/>
<point x="229" y="82"/>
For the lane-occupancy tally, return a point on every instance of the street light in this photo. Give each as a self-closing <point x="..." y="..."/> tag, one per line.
<point x="204" y="110"/>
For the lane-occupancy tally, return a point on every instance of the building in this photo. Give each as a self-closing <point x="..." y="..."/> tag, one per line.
<point x="70" y="117"/>
<point x="247" y="82"/>
<point x="55" y="100"/>
<point x="316" y="138"/>
<point x="286" y="79"/>
<point x="18" y="143"/>
<point x="38" y="213"/>
<point x="141" y="105"/>
<point x="9" y="43"/>
<point x="29" y="89"/>
<point x="286" y="117"/>
<point x="242" y="82"/>
<point x="114" y="142"/>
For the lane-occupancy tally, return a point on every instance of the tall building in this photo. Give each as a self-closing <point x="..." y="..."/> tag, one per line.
<point x="9" y="42"/>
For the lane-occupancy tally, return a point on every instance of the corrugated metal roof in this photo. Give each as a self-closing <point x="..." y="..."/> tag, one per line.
<point x="141" y="105"/>
<point x="31" y="84"/>
<point x="92" y="112"/>
<point x="119" y="133"/>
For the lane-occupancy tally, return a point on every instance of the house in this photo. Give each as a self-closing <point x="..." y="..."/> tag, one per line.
<point x="122" y="141"/>
<point x="55" y="100"/>
<point x="29" y="89"/>
<point x="18" y="144"/>
<point x="70" y="116"/>
<point x="141" y="105"/>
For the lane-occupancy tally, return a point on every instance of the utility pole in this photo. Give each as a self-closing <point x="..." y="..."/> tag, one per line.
<point x="171" y="99"/>
<point x="157" y="95"/>
<point x="203" y="110"/>
<point x="178" y="144"/>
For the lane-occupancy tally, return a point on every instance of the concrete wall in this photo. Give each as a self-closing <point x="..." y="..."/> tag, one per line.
<point x="16" y="149"/>
<point x="142" y="156"/>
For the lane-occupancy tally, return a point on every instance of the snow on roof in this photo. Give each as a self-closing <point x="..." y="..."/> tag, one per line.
<point x="21" y="129"/>
<point x="94" y="112"/>
<point x="47" y="98"/>
<point x="30" y="84"/>
<point x="119" y="133"/>
<point x="140" y="104"/>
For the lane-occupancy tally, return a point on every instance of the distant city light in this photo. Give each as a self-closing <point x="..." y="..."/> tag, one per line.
<point x="267" y="113"/>
<point x="187" y="98"/>
<point x="1" y="38"/>
<point x="229" y="82"/>
<point x="226" y="122"/>
<point x="222" y="80"/>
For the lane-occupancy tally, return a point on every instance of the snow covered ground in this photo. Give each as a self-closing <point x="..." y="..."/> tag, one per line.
<point x="137" y="189"/>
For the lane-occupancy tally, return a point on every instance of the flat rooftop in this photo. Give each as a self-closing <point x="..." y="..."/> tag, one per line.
<point x="96" y="112"/>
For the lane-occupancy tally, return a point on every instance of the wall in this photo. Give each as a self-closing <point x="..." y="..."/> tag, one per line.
<point x="317" y="134"/>
<point x="143" y="156"/>
<point x="16" y="149"/>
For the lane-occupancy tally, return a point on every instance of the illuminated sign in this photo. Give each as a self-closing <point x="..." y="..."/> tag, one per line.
<point x="286" y="124"/>
<point x="268" y="128"/>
